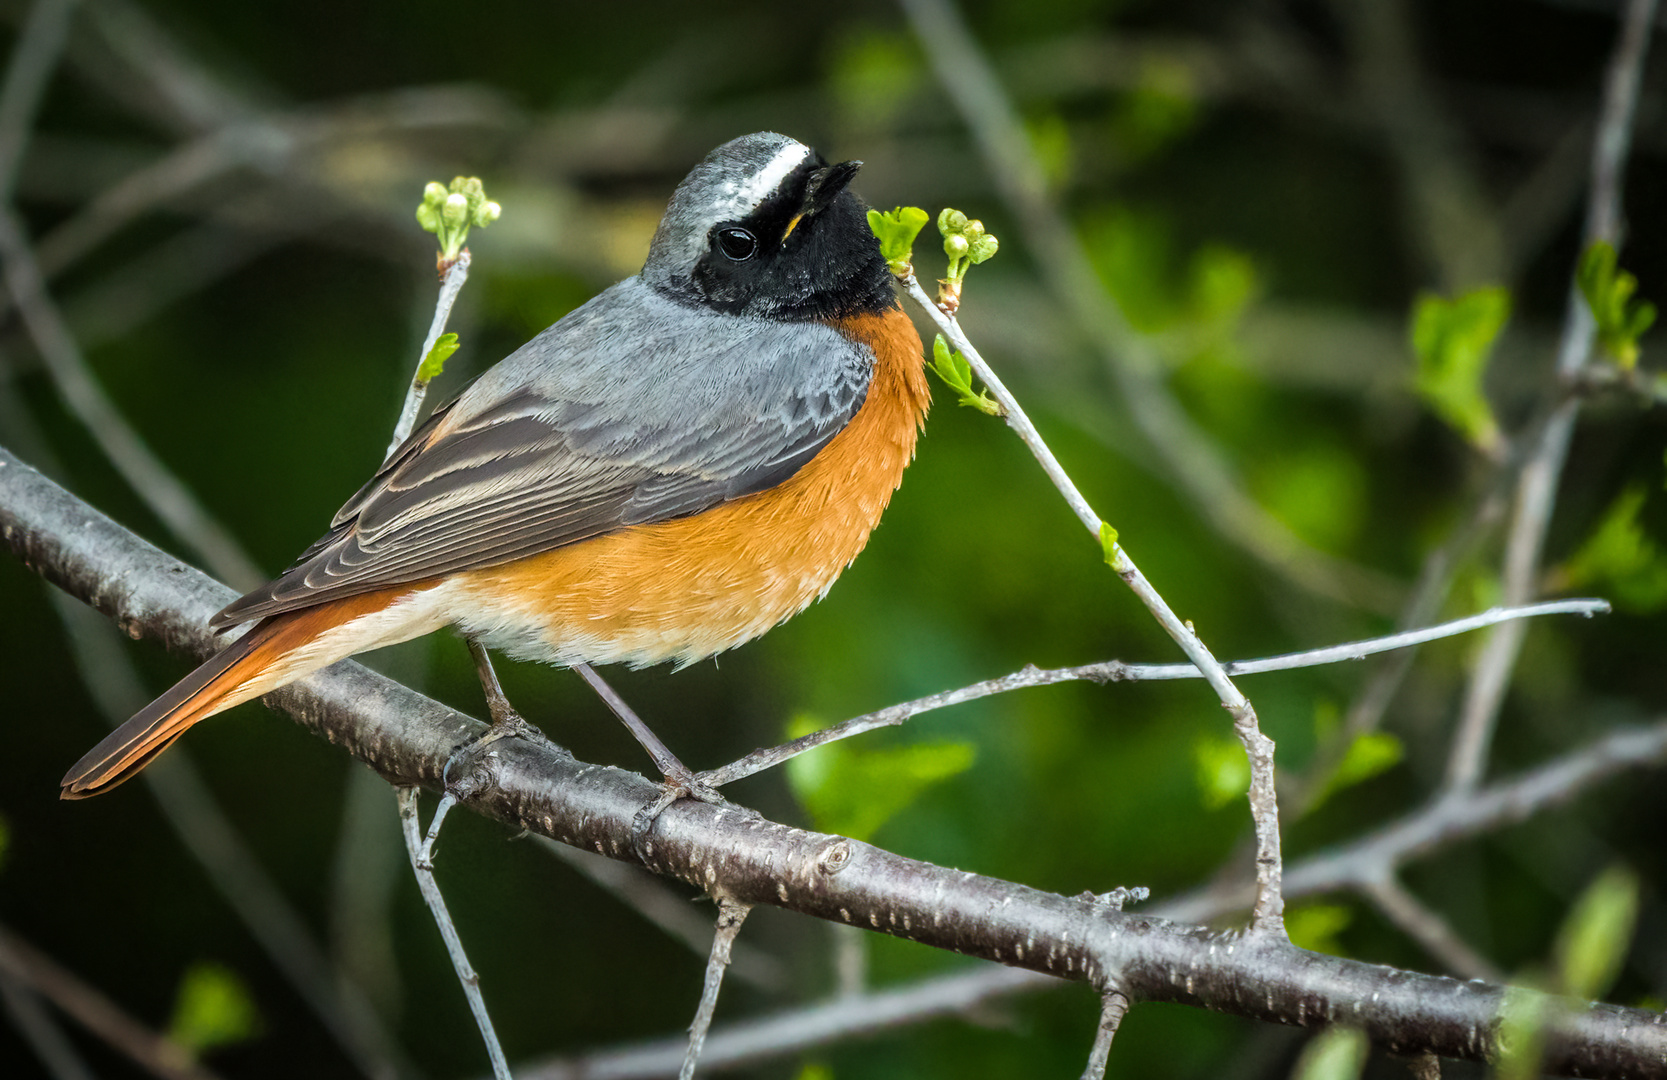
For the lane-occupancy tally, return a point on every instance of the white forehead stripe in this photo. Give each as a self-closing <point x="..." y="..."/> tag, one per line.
<point x="745" y="196"/>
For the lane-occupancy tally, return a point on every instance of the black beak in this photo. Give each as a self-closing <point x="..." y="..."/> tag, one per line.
<point x="825" y="185"/>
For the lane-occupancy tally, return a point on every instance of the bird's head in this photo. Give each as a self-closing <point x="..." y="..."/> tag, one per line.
<point x="764" y="226"/>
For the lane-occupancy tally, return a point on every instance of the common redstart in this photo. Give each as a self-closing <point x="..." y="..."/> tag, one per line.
<point x="667" y="472"/>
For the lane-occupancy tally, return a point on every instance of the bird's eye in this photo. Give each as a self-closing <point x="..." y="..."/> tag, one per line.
<point x="738" y="245"/>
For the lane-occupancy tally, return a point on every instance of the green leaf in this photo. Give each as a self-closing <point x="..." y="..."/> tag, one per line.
<point x="1337" y="1053"/>
<point x="1222" y="771"/>
<point x="1315" y="927"/>
<point x="1370" y="754"/>
<point x="1133" y="251"/>
<point x="1521" y="1038"/>
<point x="1453" y="340"/>
<point x="1162" y="107"/>
<point x="1050" y="142"/>
<point x="1608" y="290"/>
<point x="1221" y="283"/>
<point x="5" y="840"/>
<point x="435" y="361"/>
<point x="1592" y="943"/>
<point x="896" y="232"/>
<point x="212" y="1008"/>
<point x="943" y="363"/>
<point x="1320" y="490"/>
<point x="1621" y="558"/>
<point x="853" y="792"/>
<point x="950" y="366"/>
<point x="1108" y="544"/>
<point x="872" y="76"/>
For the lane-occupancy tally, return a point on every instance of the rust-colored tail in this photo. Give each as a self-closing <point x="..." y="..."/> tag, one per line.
<point x="270" y="655"/>
<point x="154" y="728"/>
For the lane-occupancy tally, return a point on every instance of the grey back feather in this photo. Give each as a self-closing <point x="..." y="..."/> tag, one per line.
<point x="633" y="409"/>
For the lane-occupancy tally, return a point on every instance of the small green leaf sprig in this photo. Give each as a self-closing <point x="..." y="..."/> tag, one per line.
<point x="1453" y="340"/>
<point x="450" y="212"/>
<point x="896" y="232"/>
<point x="966" y="244"/>
<point x="1608" y="290"/>
<point x="956" y="373"/>
<point x="435" y="362"/>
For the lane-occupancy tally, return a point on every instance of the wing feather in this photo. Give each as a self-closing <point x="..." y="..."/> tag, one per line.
<point x="573" y="437"/>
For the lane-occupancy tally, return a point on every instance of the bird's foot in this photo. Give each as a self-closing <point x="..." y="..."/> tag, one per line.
<point x="679" y="784"/>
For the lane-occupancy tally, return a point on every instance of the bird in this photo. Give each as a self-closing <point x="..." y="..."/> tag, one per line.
<point x="667" y="472"/>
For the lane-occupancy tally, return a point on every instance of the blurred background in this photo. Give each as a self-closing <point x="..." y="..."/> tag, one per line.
<point x="1215" y="224"/>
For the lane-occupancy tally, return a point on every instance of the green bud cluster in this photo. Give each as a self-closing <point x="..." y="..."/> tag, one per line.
<point x="449" y="212"/>
<point x="965" y="242"/>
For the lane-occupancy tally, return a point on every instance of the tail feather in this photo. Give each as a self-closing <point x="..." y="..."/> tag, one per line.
<point x="275" y="651"/>
<point x="154" y="728"/>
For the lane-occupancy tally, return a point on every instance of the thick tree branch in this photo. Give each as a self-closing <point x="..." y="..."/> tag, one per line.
<point x="537" y="786"/>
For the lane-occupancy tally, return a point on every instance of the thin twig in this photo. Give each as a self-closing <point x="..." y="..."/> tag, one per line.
<point x="208" y="834"/>
<point x="1440" y="824"/>
<point x="448" y="931"/>
<point x="1195" y="464"/>
<point x="163" y="492"/>
<point x="1452" y="220"/>
<point x="89" y="1007"/>
<point x="731" y="915"/>
<point x="31" y="1020"/>
<point x="1537" y="486"/>
<point x="1118" y="671"/>
<point x="1264" y="808"/>
<point x="422" y="849"/>
<point x="203" y="828"/>
<point x="451" y="283"/>
<point x="34" y="58"/>
<point x="1429" y="929"/>
<point x="1113" y="1007"/>
<point x="670" y="911"/>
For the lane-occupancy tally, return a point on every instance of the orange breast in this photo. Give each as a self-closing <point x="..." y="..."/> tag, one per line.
<point x="692" y="587"/>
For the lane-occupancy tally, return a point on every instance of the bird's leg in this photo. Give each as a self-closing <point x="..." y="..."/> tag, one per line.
<point x="506" y="723"/>
<point x="503" y="713"/>
<point x="680" y="782"/>
<point x="672" y="769"/>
